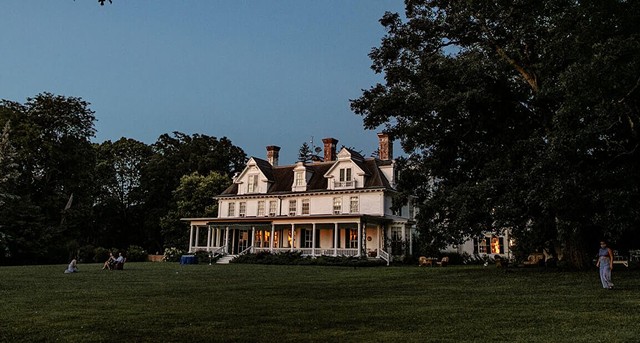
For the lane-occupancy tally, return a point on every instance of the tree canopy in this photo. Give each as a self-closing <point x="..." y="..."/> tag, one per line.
<point x="60" y="193"/>
<point x="520" y="115"/>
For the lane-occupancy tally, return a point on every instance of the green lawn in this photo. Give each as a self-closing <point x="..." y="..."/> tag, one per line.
<point x="166" y="302"/>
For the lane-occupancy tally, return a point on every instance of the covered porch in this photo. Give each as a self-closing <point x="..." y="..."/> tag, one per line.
<point x="356" y="236"/>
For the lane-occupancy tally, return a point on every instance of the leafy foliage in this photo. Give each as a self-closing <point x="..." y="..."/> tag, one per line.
<point x="524" y="115"/>
<point x="61" y="194"/>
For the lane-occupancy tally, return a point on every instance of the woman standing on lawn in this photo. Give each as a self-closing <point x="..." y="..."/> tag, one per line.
<point x="605" y="263"/>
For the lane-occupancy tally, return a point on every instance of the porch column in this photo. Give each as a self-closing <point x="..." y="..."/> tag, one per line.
<point x="273" y="229"/>
<point x="226" y="240"/>
<point x="190" y="238"/>
<point x="410" y="242"/>
<point x="359" y="240"/>
<point x="335" y="239"/>
<point x="313" y="240"/>
<point x="379" y="240"/>
<point x="253" y="237"/>
<point x="197" y="236"/>
<point x="293" y="236"/>
<point x="364" y="238"/>
<point x="209" y="238"/>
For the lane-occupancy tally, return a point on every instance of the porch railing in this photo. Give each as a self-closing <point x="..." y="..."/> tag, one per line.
<point x="217" y="251"/>
<point x="384" y="255"/>
<point x="245" y="251"/>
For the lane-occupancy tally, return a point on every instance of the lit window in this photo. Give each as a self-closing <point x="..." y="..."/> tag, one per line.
<point x="337" y="205"/>
<point x="242" y="211"/>
<point x="305" y="206"/>
<point x="232" y="209"/>
<point x="261" y="208"/>
<point x="353" y="239"/>
<point x="293" y="204"/>
<point x="353" y="205"/>
<point x="272" y="208"/>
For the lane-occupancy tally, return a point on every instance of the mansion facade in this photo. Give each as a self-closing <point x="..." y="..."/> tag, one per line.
<point x="339" y="205"/>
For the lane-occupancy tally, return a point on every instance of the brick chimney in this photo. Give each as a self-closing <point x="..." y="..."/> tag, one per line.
<point x="273" y="152"/>
<point x="329" y="149"/>
<point x="385" y="149"/>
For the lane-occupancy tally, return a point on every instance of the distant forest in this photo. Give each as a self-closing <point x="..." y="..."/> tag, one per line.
<point x="62" y="196"/>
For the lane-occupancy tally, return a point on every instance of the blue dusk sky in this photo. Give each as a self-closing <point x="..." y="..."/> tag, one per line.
<point x="261" y="72"/>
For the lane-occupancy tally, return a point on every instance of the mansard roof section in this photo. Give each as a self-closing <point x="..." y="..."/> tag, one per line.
<point x="348" y="155"/>
<point x="262" y="165"/>
<point x="283" y="176"/>
<point x="377" y="178"/>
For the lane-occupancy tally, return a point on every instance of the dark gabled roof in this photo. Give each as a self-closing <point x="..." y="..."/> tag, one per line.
<point x="281" y="177"/>
<point x="265" y="167"/>
<point x="376" y="178"/>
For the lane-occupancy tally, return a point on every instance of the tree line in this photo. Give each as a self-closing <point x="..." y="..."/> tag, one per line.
<point x="60" y="193"/>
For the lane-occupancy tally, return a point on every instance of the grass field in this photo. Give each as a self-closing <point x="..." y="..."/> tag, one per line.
<point x="166" y="302"/>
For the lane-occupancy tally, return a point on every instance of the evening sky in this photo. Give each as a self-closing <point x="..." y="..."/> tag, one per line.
<point x="261" y="72"/>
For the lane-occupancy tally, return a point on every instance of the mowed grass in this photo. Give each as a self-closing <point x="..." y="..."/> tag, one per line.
<point x="166" y="302"/>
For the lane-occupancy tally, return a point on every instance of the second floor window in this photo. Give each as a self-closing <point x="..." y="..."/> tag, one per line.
<point x="337" y="205"/>
<point x="293" y="204"/>
<point x="242" y="211"/>
<point x="272" y="208"/>
<point x="305" y="206"/>
<point x="260" y="208"/>
<point x="354" y="205"/>
<point x="231" y="212"/>
<point x="252" y="187"/>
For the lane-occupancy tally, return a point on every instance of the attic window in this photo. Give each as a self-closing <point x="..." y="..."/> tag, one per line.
<point x="252" y="186"/>
<point x="299" y="178"/>
<point x="345" y="180"/>
<point x="345" y="174"/>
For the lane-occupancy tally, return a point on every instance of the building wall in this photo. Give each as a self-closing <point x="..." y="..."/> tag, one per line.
<point x="370" y="203"/>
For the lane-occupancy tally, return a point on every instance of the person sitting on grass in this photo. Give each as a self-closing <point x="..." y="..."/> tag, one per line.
<point x="119" y="260"/>
<point x="72" y="268"/>
<point x="108" y="264"/>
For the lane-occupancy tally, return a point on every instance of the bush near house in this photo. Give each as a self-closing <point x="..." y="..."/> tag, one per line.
<point x="296" y="258"/>
<point x="136" y="254"/>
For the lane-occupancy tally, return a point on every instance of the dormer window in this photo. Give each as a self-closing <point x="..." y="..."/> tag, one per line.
<point x="252" y="186"/>
<point x="299" y="182"/>
<point x="345" y="179"/>
<point x="345" y="174"/>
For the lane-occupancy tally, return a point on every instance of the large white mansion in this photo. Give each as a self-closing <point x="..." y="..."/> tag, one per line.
<point x="339" y="206"/>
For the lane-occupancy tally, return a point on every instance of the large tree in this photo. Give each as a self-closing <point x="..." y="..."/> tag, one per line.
<point x="51" y="136"/>
<point x="173" y="157"/>
<point x="119" y="207"/>
<point x="520" y="114"/>
<point x="193" y="198"/>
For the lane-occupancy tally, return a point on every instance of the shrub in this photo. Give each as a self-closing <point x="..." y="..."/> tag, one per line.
<point x="136" y="254"/>
<point x="296" y="258"/>
<point x="172" y="254"/>
<point x="100" y="254"/>
<point x="86" y="254"/>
